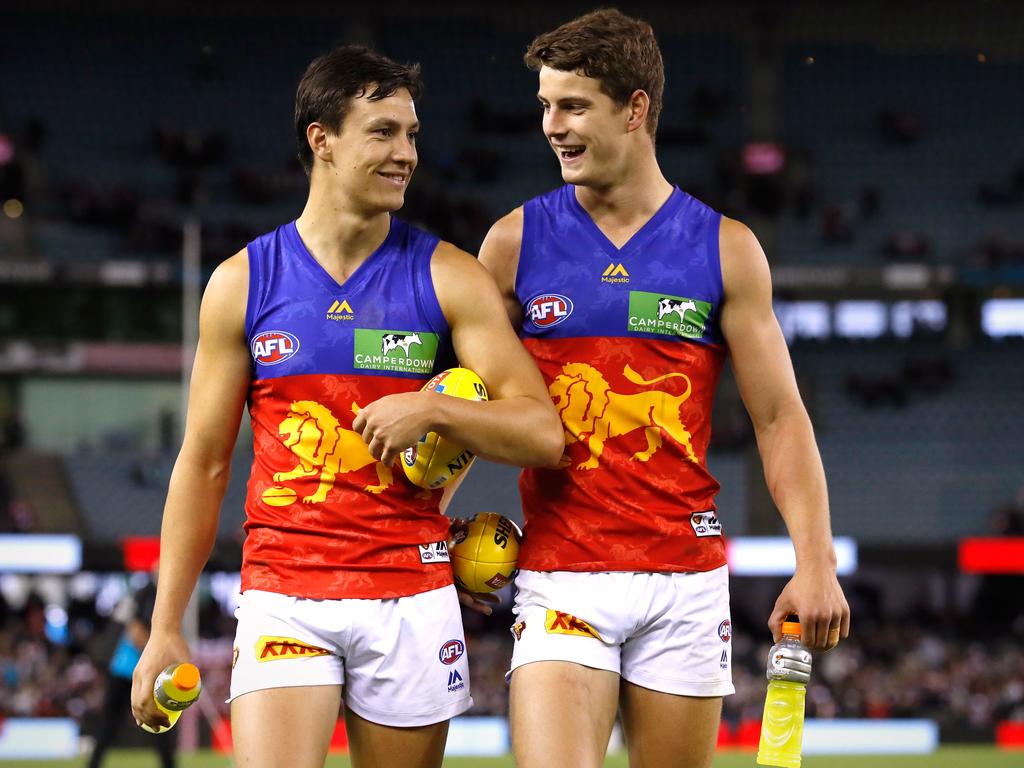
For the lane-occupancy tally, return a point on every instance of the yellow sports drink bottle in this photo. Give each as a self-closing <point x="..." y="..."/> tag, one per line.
<point x="782" y="727"/>
<point x="176" y="688"/>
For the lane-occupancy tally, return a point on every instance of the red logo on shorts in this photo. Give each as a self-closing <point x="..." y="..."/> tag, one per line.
<point x="451" y="651"/>
<point x="273" y="347"/>
<point x="725" y="631"/>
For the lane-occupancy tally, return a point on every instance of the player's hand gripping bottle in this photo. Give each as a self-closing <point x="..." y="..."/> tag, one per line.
<point x="782" y="727"/>
<point x="176" y="688"/>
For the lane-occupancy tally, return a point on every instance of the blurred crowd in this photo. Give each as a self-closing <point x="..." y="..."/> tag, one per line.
<point x="961" y="673"/>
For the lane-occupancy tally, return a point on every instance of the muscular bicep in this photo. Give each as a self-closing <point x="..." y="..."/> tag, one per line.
<point x="499" y="254"/>
<point x="481" y="332"/>
<point x="222" y="370"/>
<point x="757" y="348"/>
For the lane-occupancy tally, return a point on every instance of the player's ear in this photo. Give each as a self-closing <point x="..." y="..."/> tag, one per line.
<point x="638" y="106"/>
<point x="316" y="135"/>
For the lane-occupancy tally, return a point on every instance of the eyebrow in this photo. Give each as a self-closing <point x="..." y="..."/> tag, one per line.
<point x="387" y="122"/>
<point x="569" y="99"/>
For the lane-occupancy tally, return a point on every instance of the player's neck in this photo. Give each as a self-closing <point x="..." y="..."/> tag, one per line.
<point x="339" y="237"/>
<point x="632" y="198"/>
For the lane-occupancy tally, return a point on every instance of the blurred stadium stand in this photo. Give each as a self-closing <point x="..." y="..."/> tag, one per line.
<point x="875" y="149"/>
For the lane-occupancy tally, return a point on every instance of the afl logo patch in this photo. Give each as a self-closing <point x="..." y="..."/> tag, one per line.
<point x="549" y="309"/>
<point x="451" y="652"/>
<point x="273" y="347"/>
<point x="725" y="631"/>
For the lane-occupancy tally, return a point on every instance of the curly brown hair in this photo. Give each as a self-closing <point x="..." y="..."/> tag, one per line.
<point x="619" y="51"/>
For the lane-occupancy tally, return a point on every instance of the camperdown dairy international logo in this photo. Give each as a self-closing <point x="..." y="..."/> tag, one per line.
<point x="668" y="315"/>
<point x="400" y="351"/>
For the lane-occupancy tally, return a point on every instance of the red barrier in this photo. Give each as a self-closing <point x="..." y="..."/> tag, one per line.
<point x="222" y="737"/>
<point x="1010" y="735"/>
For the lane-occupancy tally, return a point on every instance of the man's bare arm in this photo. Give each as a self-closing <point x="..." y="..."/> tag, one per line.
<point x="785" y="438"/>
<point x="220" y="382"/>
<point x="499" y="254"/>
<point x="517" y="426"/>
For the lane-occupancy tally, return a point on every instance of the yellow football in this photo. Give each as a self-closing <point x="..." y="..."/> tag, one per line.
<point x="433" y="461"/>
<point x="486" y="559"/>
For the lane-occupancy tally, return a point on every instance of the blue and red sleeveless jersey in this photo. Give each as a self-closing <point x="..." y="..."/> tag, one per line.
<point x="628" y="341"/>
<point x="324" y="519"/>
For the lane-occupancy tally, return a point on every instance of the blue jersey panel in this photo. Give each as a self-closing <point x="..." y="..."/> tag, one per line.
<point x="665" y="283"/>
<point x="384" y="320"/>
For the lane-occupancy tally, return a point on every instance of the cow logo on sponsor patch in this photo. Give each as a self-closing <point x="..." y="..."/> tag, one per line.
<point x="679" y="316"/>
<point x="273" y="347"/>
<point x="548" y="309"/>
<point x="725" y="631"/>
<point x="451" y="651"/>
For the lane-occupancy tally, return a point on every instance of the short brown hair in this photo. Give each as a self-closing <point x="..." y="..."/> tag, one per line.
<point x="609" y="46"/>
<point x="332" y="80"/>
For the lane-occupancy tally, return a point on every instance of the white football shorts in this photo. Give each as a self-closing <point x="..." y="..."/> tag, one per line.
<point x="670" y="632"/>
<point x="402" y="661"/>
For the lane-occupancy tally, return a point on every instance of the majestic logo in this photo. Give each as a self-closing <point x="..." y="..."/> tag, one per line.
<point x="549" y="309"/>
<point x="592" y="413"/>
<point x="724" y="661"/>
<point x="615" y="273"/>
<point x="455" y="682"/>
<point x="435" y="552"/>
<point x="273" y="347"/>
<point x="276" y="648"/>
<point x="324" y="449"/>
<point x="725" y="631"/>
<point x="558" y="623"/>
<point x="401" y="351"/>
<point x="668" y="315"/>
<point x="451" y="651"/>
<point x="706" y="524"/>
<point x="341" y="310"/>
<point x="517" y="629"/>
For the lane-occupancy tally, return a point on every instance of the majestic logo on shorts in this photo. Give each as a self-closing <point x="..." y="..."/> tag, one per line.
<point x="451" y="651"/>
<point x="517" y="629"/>
<point x="455" y="682"/>
<point x="548" y="309"/>
<point x="323" y="449"/>
<point x="341" y="310"/>
<point x="401" y="351"/>
<point x="558" y="623"/>
<point x="615" y="273"/>
<point x="705" y="524"/>
<point x="725" y="632"/>
<point x="435" y="552"/>
<point x="593" y="413"/>
<point x="273" y="347"/>
<point x="724" y="661"/>
<point x="277" y="648"/>
<point x="668" y="315"/>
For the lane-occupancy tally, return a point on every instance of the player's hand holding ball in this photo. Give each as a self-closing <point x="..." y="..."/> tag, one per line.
<point x="433" y="461"/>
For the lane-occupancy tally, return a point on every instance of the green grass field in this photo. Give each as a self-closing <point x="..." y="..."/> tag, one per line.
<point x="948" y="757"/>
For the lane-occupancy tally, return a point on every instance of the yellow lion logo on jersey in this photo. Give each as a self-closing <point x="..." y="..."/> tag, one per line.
<point x="593" y="414"/>
<point x="323" y="447"/>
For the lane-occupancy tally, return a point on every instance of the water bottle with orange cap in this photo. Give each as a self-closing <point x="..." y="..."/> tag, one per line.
<point x="176" y="688"/>
<point x="782" y="727"/>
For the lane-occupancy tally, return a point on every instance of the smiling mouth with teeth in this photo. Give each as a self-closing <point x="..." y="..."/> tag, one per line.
<point x="569" y="153"/>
